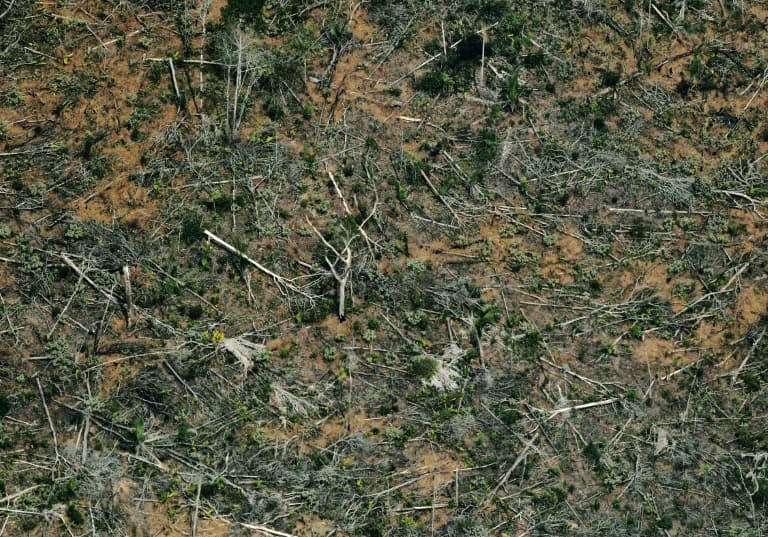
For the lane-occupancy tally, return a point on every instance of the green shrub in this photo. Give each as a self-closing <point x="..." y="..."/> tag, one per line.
<point x="74" y="515"/>
<point x="5" y="406"/>
<point x="470" y="49"/>
<point x="592" y="453"/>
<point x="514" y="90"/>
<point x="67" y="491"/>
<point x="490" y="316"/>
<point x="665" y="522"/>
<point x="760" y="497"/>
<point x="487" y="146"/>
<point x="422" y="367"/>
<point x="535" y="59"/>
<point x="192" y="229"/>
<point x="436" y="83"/>
<point x="273" y="109"/>
<point x="684" y="87"/>
<point x="10" y="97"/>
<point x="609" y="78"/>
<point x="138" y="430"/>
<point x="247" y="11"/>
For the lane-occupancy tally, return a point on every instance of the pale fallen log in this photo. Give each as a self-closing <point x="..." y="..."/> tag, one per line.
<point x="19" y="494"/>
<point x="93" y="284"/>
<point x="279" y="280"/>
<point x="173" y="78"/>
<point x="265" y="530"/>
<point x="582" y="407"/>
<point x="50" y="421"/>
<point x="748" y="356"/>
<point x="128" y="295"/>
<point x="503" y="480"/>
<point x="439" y="196"/>
<point x="422" y="508"/>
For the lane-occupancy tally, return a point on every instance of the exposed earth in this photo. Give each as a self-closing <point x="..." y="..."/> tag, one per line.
<point x="383" y="268"/>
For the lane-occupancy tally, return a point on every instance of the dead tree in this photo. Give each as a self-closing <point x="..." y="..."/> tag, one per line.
<point x="205" y="7"/>
<point x="245" y="65"/>
<point x="128" y="296"/>
<point x="341" y="267"/>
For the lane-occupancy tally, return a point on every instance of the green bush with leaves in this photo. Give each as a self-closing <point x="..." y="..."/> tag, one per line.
<point x="422" y="367"/>
<point x="436" y="83"/>
<point x="250" y="12"/>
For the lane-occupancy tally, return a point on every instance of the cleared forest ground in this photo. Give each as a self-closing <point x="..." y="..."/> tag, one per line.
<point x="452" y="268"/>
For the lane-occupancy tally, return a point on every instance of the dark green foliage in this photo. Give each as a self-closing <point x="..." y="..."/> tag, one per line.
<point x="98" y="167"/>
<point x="221" y="203"/>
<point x="192" y="229"/>
<point x="28" y="523"/>
<point x="664" y="522"/>
<point x="592" y="453"/>
<point x="491" y="10"/>
<point x="514" y="90"/>
<point x="599" y="124"/>
<point x="273" y="109"/>
<point x="67" y="491"/>
<point x="487" y="146"/>
<point x="466" y="526"/>
<point x="610" y="78"/>
<point x="371" y="143"/>
<point x="90" y="140"/>
<point x="195" y="312"/>
<point x="513" y="24"/>
<point x="183" y="433"/>
<point x="337" y="31"/>
<point x="470" y="49"/>
<point x="696" y="67"/>
<point x="156" y="72"/>
<point x="747" y="438"/>
<point x="436" y="83"/>
<point x="74" y="515"/>
<point x="760" y="497"/>
<point x="10" y="97"/>
<point x="249" y="12"/>
<point x="535" y="59"/>
<point x="551" y="497"/>
<point x="684" y="87"/>
<point x="422" y="367"/>
<point x="508" y="414"/>
<point x="318" y="312"/>
<point x="763" y="134"/>
<point x="489" y="317"/>
<point x="138" y="430"/>
<point x="5" y="405"/>
<point x="371" y="529"/>
<point x="211" y="488"/>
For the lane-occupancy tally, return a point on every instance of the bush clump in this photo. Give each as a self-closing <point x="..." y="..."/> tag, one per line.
<point x="422" y="367"/>
<point x="247" y="11"/>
